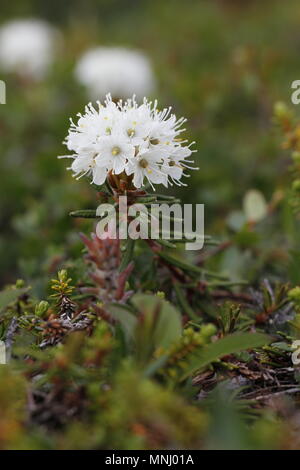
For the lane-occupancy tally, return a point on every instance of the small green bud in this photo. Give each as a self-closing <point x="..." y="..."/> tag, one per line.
<point x="208" y="330"/>
<point x="62" y="275"/>
<point x="296" y="185"/>
<point x="294" y="294"/>
<point x="199" y="341"/>
<point x="20" y="283"/>
<point x="41" y="308"/>
<point x="160" y="294"/>
<point x="189" y="332"/>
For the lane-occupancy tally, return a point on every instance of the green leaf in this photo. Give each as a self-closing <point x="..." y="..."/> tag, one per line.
<point x="162" y="322"/>
<point x="155" y="365"/>
<point x="191" y="268"/>
<point x="8" y="296"/>
<point x="126" y="319"/>
<point x="157" y="324"/>
<point x="228" y="345"/>
<point x="85" y="214"/>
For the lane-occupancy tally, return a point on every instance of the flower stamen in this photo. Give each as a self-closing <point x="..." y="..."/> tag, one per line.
<point x="143" y="163"/>
<point x="115" y="151"/>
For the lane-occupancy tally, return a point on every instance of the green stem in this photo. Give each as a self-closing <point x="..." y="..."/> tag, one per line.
<point x="184" y="303"/>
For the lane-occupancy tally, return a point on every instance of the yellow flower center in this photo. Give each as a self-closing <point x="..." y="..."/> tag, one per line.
<point x="143" y="163"/>
<point x="130" y="132"/>
<point x="115" y="151"/>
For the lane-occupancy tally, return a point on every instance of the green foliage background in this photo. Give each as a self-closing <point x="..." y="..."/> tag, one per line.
<point x="222" y="64"/>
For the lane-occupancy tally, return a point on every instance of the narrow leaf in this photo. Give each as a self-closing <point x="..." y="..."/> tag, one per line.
<point x="228" y="345"/>
<point x="85" y="214"/>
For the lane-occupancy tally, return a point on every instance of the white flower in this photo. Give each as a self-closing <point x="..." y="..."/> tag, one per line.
<point x="27" y="47"/>
<point x="119" y="71"/>
<point x="175" y="163"/>
<point x="147" y="164"/>
<point x="126" y="137"/>
<point x="113" y="153"/>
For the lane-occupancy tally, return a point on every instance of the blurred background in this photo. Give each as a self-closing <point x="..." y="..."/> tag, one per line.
<point x="220" y="63"/>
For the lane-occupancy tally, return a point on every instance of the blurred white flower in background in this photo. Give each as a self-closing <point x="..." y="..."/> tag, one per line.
<point x="27" y="47"/>
<point x="119" y="71"/>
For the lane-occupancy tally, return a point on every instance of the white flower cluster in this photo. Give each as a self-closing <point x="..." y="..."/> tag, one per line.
<point x="119" y="71"/>
<point x="138" y="140"/>
<point x="27" y="47"/>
